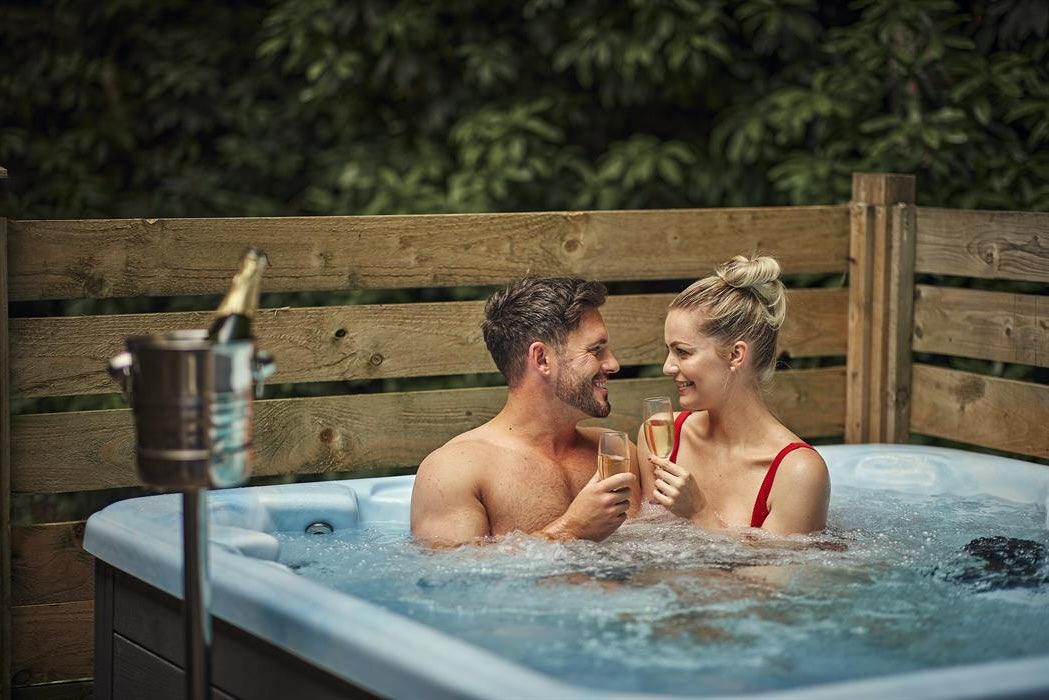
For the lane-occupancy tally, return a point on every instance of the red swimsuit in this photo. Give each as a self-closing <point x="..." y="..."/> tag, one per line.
<point x="761" y="510"/>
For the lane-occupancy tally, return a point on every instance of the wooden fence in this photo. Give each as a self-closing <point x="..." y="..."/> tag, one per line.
<point x="866" y="347"/>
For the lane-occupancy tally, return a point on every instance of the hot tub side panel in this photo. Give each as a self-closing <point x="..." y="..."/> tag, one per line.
<point x="140" y="651"/>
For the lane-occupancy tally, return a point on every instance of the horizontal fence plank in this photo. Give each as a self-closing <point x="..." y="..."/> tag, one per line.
<point x="68" y="355"/>
<point x="998" y="326"/>
<point x="810" y="402"/>
<point x="49" y="564"/>
<point x="169" y="257"/>
<point x="354" y="433"/>
<point x="1001" y="414"/>
<point x="52" y="643"/>
<point x="816" y="323"/>
<point x="1007" y="245"/>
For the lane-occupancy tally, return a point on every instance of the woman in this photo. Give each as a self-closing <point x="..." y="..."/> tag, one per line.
<point x="733" y="463"/>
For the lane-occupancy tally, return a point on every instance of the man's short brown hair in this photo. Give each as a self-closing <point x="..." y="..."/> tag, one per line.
<point x="534" y="309"/>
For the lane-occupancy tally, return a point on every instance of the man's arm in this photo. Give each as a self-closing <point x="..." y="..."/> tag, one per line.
<point x="446" y="504"/>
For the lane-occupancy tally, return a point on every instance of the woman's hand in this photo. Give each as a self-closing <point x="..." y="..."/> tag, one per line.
<point x="676" y="489"/>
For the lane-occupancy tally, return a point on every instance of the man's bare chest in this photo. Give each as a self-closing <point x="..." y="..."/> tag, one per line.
<point x="530" y="491"/>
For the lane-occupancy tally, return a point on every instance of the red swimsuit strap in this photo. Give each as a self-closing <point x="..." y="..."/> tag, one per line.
<point x="761" y="506"/>
<point x="677" y="433"/>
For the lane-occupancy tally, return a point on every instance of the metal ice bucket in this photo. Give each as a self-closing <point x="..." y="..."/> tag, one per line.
<point x="192" y="403"/>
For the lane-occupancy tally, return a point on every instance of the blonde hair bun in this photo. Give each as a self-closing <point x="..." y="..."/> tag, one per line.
<point x="760" y="275"/>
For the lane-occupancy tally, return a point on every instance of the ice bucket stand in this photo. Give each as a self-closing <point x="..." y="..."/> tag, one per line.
<point x="192" y="404"/>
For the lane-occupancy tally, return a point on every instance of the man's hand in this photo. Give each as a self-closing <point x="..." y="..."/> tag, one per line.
<point x="597" y="511"/>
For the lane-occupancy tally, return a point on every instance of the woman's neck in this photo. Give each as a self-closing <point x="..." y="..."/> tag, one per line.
<point x="743" y="419"/>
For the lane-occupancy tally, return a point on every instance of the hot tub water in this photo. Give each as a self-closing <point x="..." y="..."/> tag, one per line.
<point x="662" y="606"/>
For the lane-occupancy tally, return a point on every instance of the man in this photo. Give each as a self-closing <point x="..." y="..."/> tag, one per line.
<point x="530" y="468"/>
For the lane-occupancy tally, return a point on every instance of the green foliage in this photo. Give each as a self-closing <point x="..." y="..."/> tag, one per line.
<point x="911" y="86"/>
<point x="174" y="108"/>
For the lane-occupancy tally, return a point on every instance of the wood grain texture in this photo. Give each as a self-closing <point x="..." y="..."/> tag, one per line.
<point x="352" y="433"/>
<point x="979" y="410"/>
<point x="5" y="472"/>
<point x="817" y="322"/>
<point x="811" y="402"/>
<point x="882" y="240"/>
<point x="883" y="189"/>
<point x="999" y="326"/>
<point x="881" y="292"/>
<point x="1001" y="245"/>
<point x="68" y="355"/>
<point x="167" y="257"/>
<point x="859" y="361"/>
<point x="899" y="324"/>
<point x="51" y="643"/>
<point x="49" y="564"/>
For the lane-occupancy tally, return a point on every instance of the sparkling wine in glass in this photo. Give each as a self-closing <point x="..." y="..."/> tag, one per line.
<point x="659" y="425"/>
<point x="613" y="453"/>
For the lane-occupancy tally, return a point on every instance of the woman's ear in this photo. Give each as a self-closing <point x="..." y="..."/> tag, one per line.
<point x="738" y="354"/>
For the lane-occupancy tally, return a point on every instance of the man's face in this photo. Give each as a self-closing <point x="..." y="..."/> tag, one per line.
<point x="586" y="363"/>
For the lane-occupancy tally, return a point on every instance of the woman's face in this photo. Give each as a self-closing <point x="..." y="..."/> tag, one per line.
<point x="698" y="366"/>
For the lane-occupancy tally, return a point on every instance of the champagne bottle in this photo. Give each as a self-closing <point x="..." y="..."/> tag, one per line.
<point x="235" y="314"/>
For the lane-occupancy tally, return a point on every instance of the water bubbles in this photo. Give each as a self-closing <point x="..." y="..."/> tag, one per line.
<point x="663" y="606"/>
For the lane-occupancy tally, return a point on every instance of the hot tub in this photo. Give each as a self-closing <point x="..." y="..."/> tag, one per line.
<point x="278" y="633"/>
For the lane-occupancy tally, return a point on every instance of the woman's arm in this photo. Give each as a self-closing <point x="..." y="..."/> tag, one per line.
<point x="800" y="495"/>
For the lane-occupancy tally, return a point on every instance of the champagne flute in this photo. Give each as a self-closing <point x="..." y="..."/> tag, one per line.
<point x="613" y="453"/>
<point x="659" y="425"/>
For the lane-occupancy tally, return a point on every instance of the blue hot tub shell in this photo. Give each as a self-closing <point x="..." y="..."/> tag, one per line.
<point x="277" y="632"/>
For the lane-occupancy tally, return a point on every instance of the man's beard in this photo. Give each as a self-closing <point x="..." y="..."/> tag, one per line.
<point x="580" y="394"/>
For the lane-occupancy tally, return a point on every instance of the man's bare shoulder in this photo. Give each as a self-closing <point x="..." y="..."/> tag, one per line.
<point x="463" y="453"/>
<point x="447" y="501"/>
<point x="458" y="454"/>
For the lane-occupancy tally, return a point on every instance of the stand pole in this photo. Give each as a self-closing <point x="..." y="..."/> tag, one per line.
<point x="196" y="593"/>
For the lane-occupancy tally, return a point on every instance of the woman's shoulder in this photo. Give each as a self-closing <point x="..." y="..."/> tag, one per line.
<point x="694" y="423"/>
<point x="690" y="417"/>
<point x="803" y="465"/>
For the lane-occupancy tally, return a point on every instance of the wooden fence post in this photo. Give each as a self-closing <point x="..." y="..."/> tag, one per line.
<point x="5" y="474"/>
<point x="881" y="307"/>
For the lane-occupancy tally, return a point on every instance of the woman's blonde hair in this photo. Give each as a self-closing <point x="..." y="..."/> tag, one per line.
<point x="743" y="300"/>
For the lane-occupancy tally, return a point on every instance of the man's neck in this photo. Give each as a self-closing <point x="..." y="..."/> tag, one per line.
<point x="549" y="427"/>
